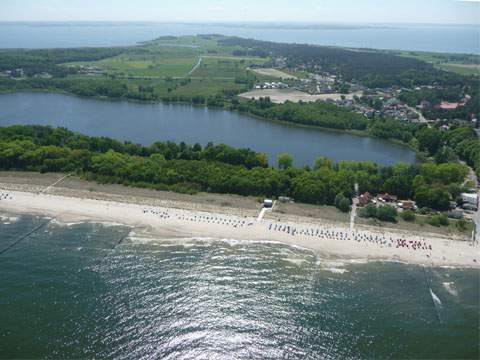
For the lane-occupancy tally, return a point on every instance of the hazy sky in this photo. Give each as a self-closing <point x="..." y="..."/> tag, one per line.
<point x="340" y="11"/>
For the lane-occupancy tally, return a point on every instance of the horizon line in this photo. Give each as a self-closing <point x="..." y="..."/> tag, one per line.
<point x="279" y="22"/>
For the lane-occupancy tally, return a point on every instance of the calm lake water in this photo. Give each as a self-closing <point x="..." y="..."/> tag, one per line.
<point x="67" y="292"/>
<point x="147" y="123"/>
<point x="437" y="38"/>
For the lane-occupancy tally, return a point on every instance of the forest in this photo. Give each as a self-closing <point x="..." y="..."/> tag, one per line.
<point x="222" y="169"/>
<point x="47" y="60"/>
<point x="374" y="69"/>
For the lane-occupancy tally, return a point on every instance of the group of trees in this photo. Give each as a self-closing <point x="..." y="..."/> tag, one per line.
<point x="222" y="169"/>
<point x="48" y="60"/>
<point x="319" y="114"/>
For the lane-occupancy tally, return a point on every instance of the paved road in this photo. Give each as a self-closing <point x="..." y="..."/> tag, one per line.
<point x="353" y="213"/>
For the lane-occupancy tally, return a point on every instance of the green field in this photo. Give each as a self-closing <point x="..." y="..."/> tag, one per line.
<point x="226" y="67"/>
<point x="463" y="64"/>
<point x="169" y="65"/>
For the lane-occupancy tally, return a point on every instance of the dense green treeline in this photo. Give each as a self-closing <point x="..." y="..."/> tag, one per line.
<point x="313" y="114"/>
<point x="47" y="60"/>
<point x="61" y="137"/>
<point x="221" y="169"/>
<point x="374" y="69"/>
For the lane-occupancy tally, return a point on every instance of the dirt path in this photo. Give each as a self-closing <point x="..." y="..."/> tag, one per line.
<point x="195" y="67"/>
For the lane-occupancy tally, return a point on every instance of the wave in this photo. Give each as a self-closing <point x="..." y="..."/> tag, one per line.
<point x="7" y="220"/>
<point x="450" y="287"/>
<point x="436" y="299"/>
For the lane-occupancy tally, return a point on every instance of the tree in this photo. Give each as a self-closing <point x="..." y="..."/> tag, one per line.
<point x="429" y="139"/>
<point x="285" y="161"/>
<point x="323" y="162"/>
<point x="342" y="203"/>
<point x="433" y="198"/>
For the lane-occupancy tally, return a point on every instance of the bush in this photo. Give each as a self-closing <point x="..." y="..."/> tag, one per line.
<point x="387" y="213"/>
<point x="383" y="213"/>
<point x="408" y="215"/>
<point x="461" y="225"/>
<point x="438" y="220"/>
<point x="369" y="211"/>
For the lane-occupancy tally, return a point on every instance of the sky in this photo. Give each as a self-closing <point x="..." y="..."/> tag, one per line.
<point x="318" y="11"/>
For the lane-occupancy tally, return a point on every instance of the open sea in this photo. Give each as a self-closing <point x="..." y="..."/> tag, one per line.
<point x="72" y="291"/>
<point x="435" y="38"/>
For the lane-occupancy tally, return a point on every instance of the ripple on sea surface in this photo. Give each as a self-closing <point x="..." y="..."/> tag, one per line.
<point x="70" y="292"/>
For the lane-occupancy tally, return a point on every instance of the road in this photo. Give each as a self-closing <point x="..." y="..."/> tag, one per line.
<point x="195" y="67"/>
<point x="353" y="213"/>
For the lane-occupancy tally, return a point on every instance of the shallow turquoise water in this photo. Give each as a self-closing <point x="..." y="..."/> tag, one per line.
<point x="70" y="292"/>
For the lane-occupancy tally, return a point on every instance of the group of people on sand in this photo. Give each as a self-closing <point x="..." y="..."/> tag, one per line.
<point x="413" y="244"/>
<point x="313" y="232"/>
<point x="5" y="196"/>
<point x="209" y="219"/>
<point x="335" y="234"/>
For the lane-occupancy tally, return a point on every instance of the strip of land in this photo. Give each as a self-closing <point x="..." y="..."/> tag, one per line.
<point x="174" y="216"/>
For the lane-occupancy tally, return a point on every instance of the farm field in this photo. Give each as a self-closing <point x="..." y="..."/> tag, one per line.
<point x="274" y="73"/>
<point x="178" y="66"/>
<point x="463" y="64"/>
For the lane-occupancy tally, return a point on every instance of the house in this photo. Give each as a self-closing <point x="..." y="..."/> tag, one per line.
<point x="448" y="105"/>
<point x="364" y="199"/>
<point x="267" y="203"/>
<point x="387" y="198"/>
<point x="408" y="205"/>
<point x="456" y="214"/>
<point x="471" y="199"/>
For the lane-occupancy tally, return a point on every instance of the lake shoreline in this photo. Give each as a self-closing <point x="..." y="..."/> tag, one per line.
<point x="358" y="133"/>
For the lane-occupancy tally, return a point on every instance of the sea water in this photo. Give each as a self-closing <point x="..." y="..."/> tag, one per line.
<point x="436" y="38"/>
<point x="74" y="291"/>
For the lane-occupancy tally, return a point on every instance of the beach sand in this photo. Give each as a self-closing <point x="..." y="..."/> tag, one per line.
<point x="166" y="219"/>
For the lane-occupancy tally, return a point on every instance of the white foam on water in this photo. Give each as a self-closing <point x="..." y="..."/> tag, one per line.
<point x="67" y="224"/>
<point x="435" y="298"/>
<point x="8" y="219"/>
<point x="294" y="261"/>
<point x="450" y="287"/>
<point x="335" y="270"/>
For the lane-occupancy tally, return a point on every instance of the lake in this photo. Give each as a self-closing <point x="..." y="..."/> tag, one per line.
<point x="436" y="38"/>
<point x="147" y="123"/>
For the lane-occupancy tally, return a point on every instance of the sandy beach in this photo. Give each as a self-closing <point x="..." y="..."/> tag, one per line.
<point x="176" y="220"/>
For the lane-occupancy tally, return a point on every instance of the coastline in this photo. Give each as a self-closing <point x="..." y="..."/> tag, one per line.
<point x="174" y="220"/>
